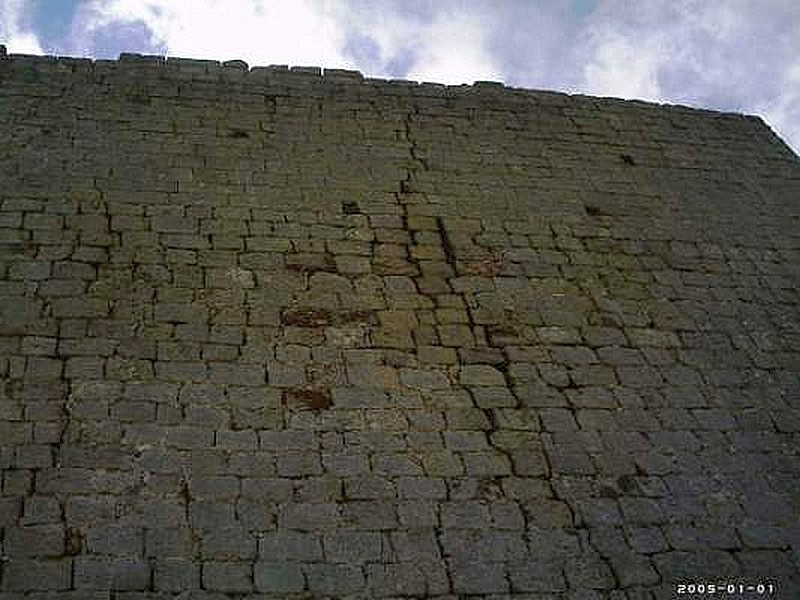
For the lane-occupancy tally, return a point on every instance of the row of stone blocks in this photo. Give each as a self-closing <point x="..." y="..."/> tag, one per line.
<point x="212" y="70"/>
<point x="305" y="79"/>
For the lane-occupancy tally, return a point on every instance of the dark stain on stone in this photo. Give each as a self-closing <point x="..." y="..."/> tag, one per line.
<point x="447" y="245"/>
<point x="489" y="489"/>
<point x="605" y="320"/>
<point x="238" y="134"/>
<point x="627" y="483"/>
<point x="313" y="399"/>
<point x="607" y="491"/>
<point x="350" y="208"/>
<point x="502" y="366"/>
<point x="319" y="317"/>
<point x="311" y="263"/>
<point x="306" y="317"/>
<point x="595" y="211"/>
<point x="501" y="335"/>
<point x="353" y="316"/>
<point x="186" y="496"/>
<point x="73" y="542"/>
<point x="627" y="159"/>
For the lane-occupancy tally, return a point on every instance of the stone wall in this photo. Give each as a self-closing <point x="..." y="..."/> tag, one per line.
<point x="279" y="332"/>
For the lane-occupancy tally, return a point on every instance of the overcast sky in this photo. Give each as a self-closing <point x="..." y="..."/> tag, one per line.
<point x="735" y="55"/>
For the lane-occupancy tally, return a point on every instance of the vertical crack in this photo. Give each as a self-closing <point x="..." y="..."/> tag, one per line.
<point x="405" y="184"/>
<point x="447" y="245"/>
<point x="437" y="536"/>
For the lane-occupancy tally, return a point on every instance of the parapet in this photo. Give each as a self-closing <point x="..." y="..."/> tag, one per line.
<point x="164" y="76"/>
<point x="284" y="79"/>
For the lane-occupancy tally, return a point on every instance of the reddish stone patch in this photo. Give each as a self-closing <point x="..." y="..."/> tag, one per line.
<point x="484" y="268"/>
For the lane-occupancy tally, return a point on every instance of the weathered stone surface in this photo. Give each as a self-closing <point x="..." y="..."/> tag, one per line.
<point x="274" y="333"/>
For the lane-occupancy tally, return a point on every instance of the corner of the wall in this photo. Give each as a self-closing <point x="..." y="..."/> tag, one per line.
<point x="760" y="123"/>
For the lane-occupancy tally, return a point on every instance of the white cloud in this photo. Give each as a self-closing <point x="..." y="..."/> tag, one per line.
<point x="623" y="70"/>
<point x="297" y="32"/>
<point x="13" y="33"/>
<point x="783" y="111"/>
<point x="726" y="55"/>
<point x="453" y="50"/>
<point x="449" y="45"/>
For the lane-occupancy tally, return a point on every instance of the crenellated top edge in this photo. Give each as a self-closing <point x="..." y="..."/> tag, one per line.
<point x="304" y="77"/>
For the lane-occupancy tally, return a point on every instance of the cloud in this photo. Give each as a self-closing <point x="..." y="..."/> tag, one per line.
<point x="428" y="41"/>
<point x="300" y="32"/>
<point x="727" y="55"/>
<point x="14" y="32"/>
<point x="536" y="42"/>
<point x="782" y="111"/>
<point x="620" y="68"/>
<point x="444" y="41"/>
<point x="453" y="50"/>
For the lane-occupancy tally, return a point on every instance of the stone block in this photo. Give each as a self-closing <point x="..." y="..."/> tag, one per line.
<point x="424" y="379"/>
<point x="395" y="464"/>
<point x="278" y="577"/>
<point x="643" y="337"/>
<point x="35" y="540"/>
<point x="227" y="577"/>
<point x="169" y="542"/>
<point x="21" y="574"/>
<point x="309" y="516"/>
<point x="298" y="464"/>
<point x="394" y="579"/>
<point x="537" y="577"/>
<point x="369" y="488"/>
<point x="478" y="578"/>
<point x="235" y="544"/>
<point x="353" y="547"/>
<point x="111" y="540"/>
<point x="218" y="488"/>
<point x="101" y="573"/>
<point x="346" y="464"/>
<point x="481" y="375"/>
<point x="421" y="488"/>
<point x="333" y="580"/>
<point x="176" y="575"/>
<point x="282" y="546"/>
<point x="38" y="510"/>
<point x="368" y="515"/>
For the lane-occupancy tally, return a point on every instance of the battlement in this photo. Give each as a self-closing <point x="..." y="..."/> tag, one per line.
<point x="285" y="79"/>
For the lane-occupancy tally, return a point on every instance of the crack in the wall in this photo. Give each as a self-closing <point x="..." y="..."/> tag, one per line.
<point x="447" y="246"/>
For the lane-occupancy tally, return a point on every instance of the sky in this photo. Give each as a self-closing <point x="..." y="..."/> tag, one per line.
<point x="731" y="55"/>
